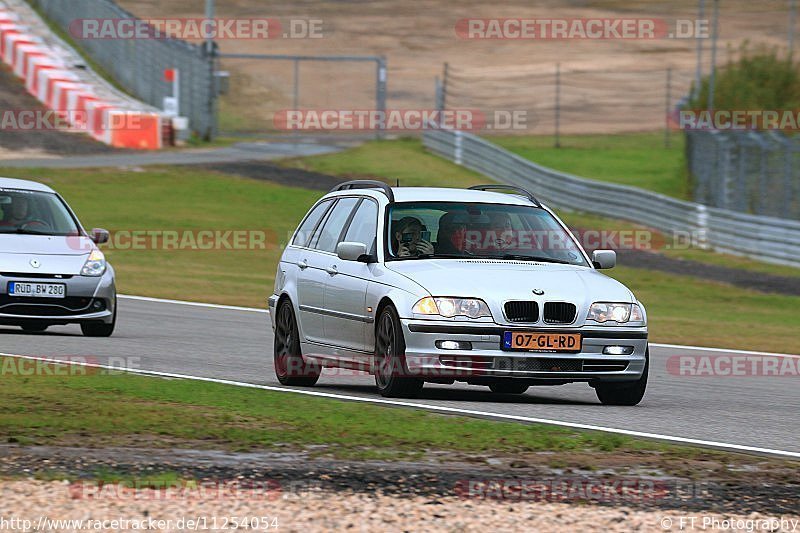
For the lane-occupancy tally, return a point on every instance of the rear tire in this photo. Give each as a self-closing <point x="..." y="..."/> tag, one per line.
<point x="508" y="387"/>
<point x="624" y="393"/>
<point x="290" y="368"/>
<point x="100" y="329"/>
<point x="34" y="328"/>
<point x="390" y="369"/>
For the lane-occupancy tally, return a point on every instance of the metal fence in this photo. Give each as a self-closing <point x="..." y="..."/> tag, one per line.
<point x="138" y="65"/>
<point x="559" y="100"/>
<point x="750" y="172"/>
<point x="767" y="238"/>
<point x="265" y="85"/>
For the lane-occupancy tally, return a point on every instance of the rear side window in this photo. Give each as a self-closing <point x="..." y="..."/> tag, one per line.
<point x="334" y="223"/>
<point x="308" y="225"/>
<point x="364" y="226"/>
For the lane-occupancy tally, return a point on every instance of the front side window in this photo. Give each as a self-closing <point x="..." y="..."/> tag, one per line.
<point x="34" y="213"/>
<point x="332" y="227"/>
<point x="303" y="233"/>
<point x="364" y="226"/>
<point x="422" y="230"/>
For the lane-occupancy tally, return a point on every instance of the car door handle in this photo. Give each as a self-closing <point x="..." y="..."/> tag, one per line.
<point x="303" y="264"/>
<point x="332" y="270"/>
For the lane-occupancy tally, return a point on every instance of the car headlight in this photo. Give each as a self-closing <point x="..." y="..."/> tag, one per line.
<point x="619" y="313"/>
<point x="95" y="265"/>
<point x="450" y="307"/>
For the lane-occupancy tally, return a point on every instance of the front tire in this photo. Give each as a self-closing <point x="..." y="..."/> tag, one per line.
<point x="290" y="368"/>
<point x="624" y="393"/>
<point x="391" y="372"/>
<point x="100" y="329"/>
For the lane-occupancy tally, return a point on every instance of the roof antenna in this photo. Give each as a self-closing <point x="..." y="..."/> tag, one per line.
<point x="398" y="182"/>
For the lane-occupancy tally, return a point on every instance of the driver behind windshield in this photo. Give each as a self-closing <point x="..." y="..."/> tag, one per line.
<point x="409" y="241"/>
<point x="18" y="213"/>
<point x="452" y="237"/>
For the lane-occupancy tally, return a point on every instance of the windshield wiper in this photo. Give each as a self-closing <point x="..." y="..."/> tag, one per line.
<point x="521" y="257"/>
<point x="436" y="256"/>
<point x="20" y="231"/>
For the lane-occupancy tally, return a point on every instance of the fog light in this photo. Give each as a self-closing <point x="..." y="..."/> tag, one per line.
<point x="454" y="345"/>
<point x="98" y="305"/>
<point x="618" y="350"/>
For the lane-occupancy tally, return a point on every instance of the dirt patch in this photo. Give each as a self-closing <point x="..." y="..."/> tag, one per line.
<point x="745" y="279"/>
<point x="720" y="482"/>
<point x="16" y="144"/>
<point x="608" y="85"/>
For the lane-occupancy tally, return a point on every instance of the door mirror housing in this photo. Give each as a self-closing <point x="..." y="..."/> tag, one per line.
<point x="351" y="251"/>
<point x="99" y="235"/>
<point x="603" y="259"/>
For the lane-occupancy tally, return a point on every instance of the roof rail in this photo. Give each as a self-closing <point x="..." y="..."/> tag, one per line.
<point x="365" y="184"/>
<point x="518" y="190"/>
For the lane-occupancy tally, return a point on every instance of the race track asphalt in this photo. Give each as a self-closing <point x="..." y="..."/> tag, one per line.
<point x="237" y="345"/>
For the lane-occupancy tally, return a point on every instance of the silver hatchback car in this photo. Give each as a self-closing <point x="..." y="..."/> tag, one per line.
<point x="441" y="285"/>
<point x="51" y="270"/>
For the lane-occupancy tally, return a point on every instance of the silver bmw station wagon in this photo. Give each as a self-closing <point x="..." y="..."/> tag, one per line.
<point x="442" y="285"/>
<point x="51" y="270"/>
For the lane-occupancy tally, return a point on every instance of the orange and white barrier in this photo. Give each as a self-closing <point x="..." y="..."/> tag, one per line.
<point x="60" y="87"/>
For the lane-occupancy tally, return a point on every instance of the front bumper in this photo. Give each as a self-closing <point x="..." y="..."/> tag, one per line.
<point x="486" y="360"/>
<point x="88" y="299"/>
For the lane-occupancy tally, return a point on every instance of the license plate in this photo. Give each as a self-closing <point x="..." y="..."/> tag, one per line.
<point x="534" y="341"/>
<point x="37" y="290"/>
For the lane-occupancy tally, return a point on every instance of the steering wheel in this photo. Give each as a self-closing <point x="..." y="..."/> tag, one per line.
<point x="35" y="222"/>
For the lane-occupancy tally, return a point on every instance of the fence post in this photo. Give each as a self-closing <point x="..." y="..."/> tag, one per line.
<point x="712" y="76"/>
<point x="667" y="109"/>
<point x="380" y="90"/>
<point x="445" y="79"/>
<point x="558" y="105"/>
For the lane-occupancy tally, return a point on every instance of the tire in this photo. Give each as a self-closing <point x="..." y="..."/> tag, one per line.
<point x="100" y="329"/>
<point x="290" y="368"/>
<point x="389" y="367"/>
<point x="34" y="328"/>
<point x="624" y="393"/>
<point x="508" y="387"/>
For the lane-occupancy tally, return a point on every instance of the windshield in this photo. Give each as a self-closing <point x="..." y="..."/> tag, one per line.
<point x="422" y="230"/>
<point x="34" y="213"/>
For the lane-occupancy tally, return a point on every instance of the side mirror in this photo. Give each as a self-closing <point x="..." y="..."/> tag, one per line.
<point x="602" y="259"/>
<point x="351" y="251"/>
<point x="99" y="235"/>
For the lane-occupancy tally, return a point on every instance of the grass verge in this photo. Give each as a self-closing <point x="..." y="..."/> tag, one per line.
<point x="130" y="410"/>
<point x="637" y="159"/>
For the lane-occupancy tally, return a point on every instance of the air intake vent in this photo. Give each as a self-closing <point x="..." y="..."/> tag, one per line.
<point x="559" y="313"/>
<point x="522" y="311"/>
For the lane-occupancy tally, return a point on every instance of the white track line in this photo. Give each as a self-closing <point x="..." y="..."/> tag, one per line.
<point x="256" y="310"/>
<point x="434" y="408"/>
<point x="194" y="304"/>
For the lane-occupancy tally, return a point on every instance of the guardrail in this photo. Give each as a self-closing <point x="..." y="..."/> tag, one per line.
<point x="769" y="239"/>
